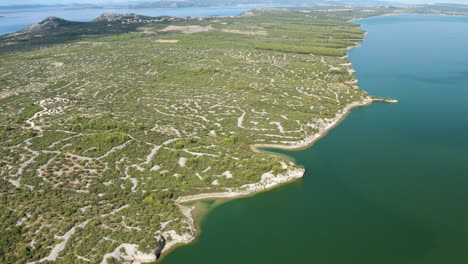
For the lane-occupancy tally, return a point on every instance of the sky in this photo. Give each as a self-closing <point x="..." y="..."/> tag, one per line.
<point x="100" y="2"/>
<point x="433" y="1"/>
<point x="52" y="2"/>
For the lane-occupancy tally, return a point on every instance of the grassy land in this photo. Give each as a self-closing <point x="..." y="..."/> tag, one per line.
<point x="100" y="134"/>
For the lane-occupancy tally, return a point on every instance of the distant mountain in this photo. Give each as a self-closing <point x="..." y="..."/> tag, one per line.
<point x="458" y="6"/>
<point x="47" y="25"/>
<point x="164" y="4"/>
<point x="18" y="7"/>
<point x="364" y="2"/>
<point x="205" y="3"/>
<point x="54" y="30"/>
<point x="110" y="17"/>
<point x="13" y="7"/>
<point x="55" y="25"/>
<point x="445" y="7"/>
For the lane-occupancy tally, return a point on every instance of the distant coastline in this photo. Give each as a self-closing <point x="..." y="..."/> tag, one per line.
<point x="86" y="13"/>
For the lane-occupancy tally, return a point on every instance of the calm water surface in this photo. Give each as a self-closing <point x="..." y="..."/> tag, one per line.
<point x="388" y="185"/>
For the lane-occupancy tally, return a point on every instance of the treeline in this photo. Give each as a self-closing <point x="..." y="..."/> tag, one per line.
<point x="300" y="49"/>
<point x="322" y="43"/>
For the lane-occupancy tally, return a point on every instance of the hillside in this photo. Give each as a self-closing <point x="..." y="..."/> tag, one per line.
<point x="53" y="30"/>
<point x="48" y="25"/>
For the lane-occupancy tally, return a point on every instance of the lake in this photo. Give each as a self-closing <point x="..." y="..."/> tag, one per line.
<point x="15" y="19"/>
<point x="387" y="185"/>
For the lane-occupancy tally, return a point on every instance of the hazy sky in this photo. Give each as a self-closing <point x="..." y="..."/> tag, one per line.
<point x="27" y="2"/>
<point x="433" y="1"/>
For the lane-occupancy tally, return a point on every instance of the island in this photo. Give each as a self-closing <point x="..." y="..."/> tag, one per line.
<point x="108" y="127"/>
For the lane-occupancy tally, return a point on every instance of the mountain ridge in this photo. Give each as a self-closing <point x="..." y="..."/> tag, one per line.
<point x="47" y="25"/>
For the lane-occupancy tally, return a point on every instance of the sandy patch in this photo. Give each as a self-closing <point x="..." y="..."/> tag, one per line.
<point x="94" y="43"/>
<point x="182" y="161"/>
<point x="166" y="41"/>
<point x="57" y="64"/>
<point x="244" y="32"/>
<point x="146" y="30"/>
<point x="188" y="29"/>
<point x="8" y="43"/>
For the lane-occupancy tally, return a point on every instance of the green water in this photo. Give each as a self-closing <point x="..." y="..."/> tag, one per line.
<point x="388" y="185"/>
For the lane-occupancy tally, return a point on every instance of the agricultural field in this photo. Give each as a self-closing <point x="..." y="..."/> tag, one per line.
<point x="100" y="135"/>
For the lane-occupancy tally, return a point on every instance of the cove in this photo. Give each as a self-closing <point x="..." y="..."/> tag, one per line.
<point x="387" y="185"/>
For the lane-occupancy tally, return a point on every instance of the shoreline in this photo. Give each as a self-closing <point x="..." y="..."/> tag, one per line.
<point x="310" y="140"/>
<point x="268" y="181"/>
<point x="256" y="188"/>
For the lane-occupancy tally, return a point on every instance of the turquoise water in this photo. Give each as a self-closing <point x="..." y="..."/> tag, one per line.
<point x="17" y="19"/>
<point x="388" y="185"/>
